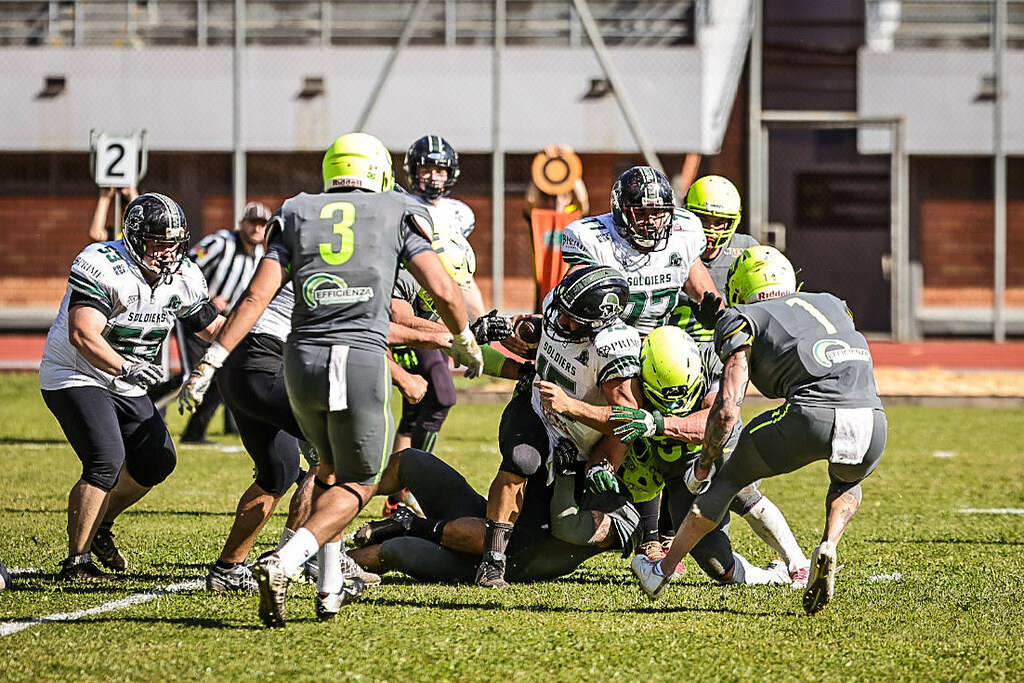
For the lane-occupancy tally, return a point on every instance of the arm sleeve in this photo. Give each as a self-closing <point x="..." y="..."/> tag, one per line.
<point x="733" y="332"/>
<point x="200" y="318"/>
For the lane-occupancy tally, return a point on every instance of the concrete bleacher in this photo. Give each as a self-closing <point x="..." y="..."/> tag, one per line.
<point x="157" y="23"/>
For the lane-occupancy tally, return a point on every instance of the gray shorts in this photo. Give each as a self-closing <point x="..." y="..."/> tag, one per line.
<point x="784" y="440"/>
<point x="343" y="406"/>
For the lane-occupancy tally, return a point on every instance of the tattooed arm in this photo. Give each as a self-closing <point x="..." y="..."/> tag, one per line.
<point x="725" y="413"/>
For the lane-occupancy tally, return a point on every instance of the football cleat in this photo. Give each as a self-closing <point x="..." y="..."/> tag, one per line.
<point x="238" y="578"/>
<point x="409" y="500"/>
<point x="106" y="551"/>
<point x="72" y="570"/>
<point x="352" y="570"/>
<point x="396" y="525"/>
<point x="651" y="581"/>
<point x="821" y="583"/>
<point x="273" y="585"/>
<point x="798" y="576"/>
<point x="326" y="605"/>
<point x="491" y="572"/>
<point x="779" y="571"/>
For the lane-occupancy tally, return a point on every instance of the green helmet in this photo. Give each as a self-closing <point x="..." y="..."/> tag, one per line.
<point x="458" y="259"/>
<point x="715" y="197"/>
<point x="358" y="160"/>
<point x="671" y="371"/>
<point x="760" y="273"/>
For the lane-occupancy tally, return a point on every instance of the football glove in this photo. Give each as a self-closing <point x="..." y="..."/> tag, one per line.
<point x="601" y="478"/>
<point x="697" y="486"/>
<point x="405" y="356"/>
<point x="566" y="457"/>
<point x="527" y="373"/>
<point x="708" y="311"/>
<point x="639" y="423"/>
<point x="141" y="373"/>
<point x="191" y="394"/>
<point x="491" y="327"/>
<point x="465" y="351"/>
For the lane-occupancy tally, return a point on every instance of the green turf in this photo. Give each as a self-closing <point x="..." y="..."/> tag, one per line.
<point x="954" y="612"/>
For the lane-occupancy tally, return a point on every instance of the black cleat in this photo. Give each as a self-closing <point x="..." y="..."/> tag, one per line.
<point x="107" y="552"/>
<point x="71" y="570"/>
<point x="396" y="525"/>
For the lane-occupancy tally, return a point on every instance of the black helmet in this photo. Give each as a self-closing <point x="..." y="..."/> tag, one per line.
<point x="592" y="297"/>
<point x="431" y="150"/>
<point x="643" y="205"/>
<point x="155" y="218"/>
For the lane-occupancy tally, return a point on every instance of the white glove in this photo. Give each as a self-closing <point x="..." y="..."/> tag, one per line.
<point x="141" y="373"/>
<point x="697" y="486"/>
<point x="192" y="393"/>
<point x="465" y="351"/>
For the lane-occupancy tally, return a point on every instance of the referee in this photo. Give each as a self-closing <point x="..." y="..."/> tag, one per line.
<point x="228" y="259"/>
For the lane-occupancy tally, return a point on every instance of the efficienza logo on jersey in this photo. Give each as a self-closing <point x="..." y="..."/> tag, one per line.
<point x="331" y="290"/>
<point x="827" y="352"/>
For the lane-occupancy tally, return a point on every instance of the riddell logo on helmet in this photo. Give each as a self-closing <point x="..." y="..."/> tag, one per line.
<point x="346" y="182"/>
<point x="771" y="293"/>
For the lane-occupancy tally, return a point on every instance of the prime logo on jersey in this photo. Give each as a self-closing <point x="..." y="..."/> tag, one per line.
<point x="331" y="290"/>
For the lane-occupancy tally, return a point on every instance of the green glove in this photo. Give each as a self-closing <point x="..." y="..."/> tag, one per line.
<point x="638" y="422"/>
<point x="405" y="356"/>
<point x="601" y="478"/>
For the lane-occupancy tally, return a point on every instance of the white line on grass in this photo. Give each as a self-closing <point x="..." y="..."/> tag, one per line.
<point x="10" y="627"/>
<point x="991" y="511"/>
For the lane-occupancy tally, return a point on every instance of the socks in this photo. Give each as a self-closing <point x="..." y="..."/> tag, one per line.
<point x="297" y="550"/>
<point x="330" y="579"/>
<point x="496" y="535"/>
<point x="430" y="529"/>
<point x="286" y="535"/>
<point x="767" y="521"/>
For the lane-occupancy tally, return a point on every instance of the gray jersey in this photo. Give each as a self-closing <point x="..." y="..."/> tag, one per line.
<point x="718" y="268"/>
<point x="342" y="251"/>
<point x="804" y="348"/>
<point x="408" y="289"/>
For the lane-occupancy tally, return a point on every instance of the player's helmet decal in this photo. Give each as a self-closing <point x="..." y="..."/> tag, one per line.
<point x="715" y="197"/>
<point x="671" y="371"/>
<point x="760" y="273"/>
<point x="591" y="298"/>
<point x="458" y="259"/>
<point x="358" y="160"/>
<point x="643" y="206"/>
<point x="431" y="150"/>
<point x="153" y="223"/>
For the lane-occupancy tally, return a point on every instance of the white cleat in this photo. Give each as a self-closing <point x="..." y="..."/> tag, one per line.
<point x="798" y="576"/>
<point x="821" y="583"/>
<point x="651" y="581"/>
<point x="273" y="585"/>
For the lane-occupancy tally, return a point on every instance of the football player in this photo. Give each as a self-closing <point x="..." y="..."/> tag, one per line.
<point x="341" y="249"/>
<point x="680" y="384"/>
<point x="587" y="351"/>
<point x="804" y="348"/>
<point x="657" y="247"/>
<point x="101" y="355"/>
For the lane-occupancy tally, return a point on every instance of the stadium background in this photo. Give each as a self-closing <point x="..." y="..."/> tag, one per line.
<point x="311" y="69"/>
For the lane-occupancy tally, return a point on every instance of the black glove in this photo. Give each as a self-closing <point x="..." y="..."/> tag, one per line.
<point x="527" y="373"/>
<point x="491" y="327"/>
<point x="566" y="457"/>
<point x="709" y="310"/>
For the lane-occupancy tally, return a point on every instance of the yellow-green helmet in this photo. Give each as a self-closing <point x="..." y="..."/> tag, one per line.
<point x="671" y="371"/>
<point x="760" y="273"/>
<point x="458" y="258"/>
<point x="358" y="160"/>
<point x="716" y="197"/>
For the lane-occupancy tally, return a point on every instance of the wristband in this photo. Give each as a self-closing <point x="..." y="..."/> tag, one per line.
<point x="215" y="355"/>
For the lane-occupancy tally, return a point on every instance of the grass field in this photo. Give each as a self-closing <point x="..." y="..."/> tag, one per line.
<point x="929" y="592"/>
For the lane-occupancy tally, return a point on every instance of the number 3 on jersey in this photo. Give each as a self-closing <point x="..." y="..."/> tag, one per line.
<point x="343" y="227"/>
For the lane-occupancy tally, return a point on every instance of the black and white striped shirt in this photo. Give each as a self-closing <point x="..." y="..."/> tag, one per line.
<point x="228" y="269"/>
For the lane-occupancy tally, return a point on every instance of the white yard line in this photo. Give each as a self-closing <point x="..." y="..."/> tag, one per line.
<point x="7" y="628"/>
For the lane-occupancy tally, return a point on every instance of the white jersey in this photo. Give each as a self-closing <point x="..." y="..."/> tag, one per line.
<point x="139" y="316"/>
<point x="450" y="214"/>
<point x="580" y="369"/>
<point x="655" y="279"/>
<point x="277" y="319"/>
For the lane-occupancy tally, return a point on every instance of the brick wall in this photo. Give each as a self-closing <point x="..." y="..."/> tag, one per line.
<point x="957" y="252"/>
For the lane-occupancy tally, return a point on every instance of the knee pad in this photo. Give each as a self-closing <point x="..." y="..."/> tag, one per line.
<point x="838" y="488"/>
<point x="102" y="475"/>
<point x="154" y="468"/>
<point x="523" y="461"/>
<point x="713" y="555"/>
<point x="747" y="498"/>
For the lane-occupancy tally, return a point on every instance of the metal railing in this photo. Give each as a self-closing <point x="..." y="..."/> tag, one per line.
<point x="155" y="23"/>
<point x="940" y="24"/>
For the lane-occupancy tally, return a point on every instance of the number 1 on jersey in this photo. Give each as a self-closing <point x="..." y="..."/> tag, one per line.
<point x="328" y="253"/>
<point x="815" y="313"/>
